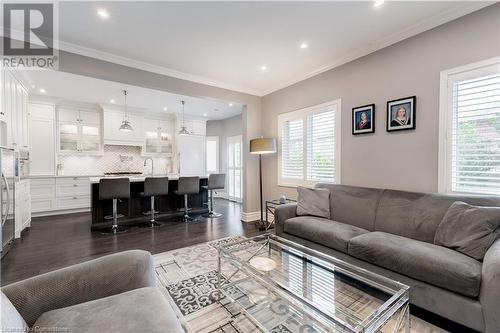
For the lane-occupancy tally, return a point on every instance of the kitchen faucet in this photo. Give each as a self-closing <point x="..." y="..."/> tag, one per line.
<point x="152" y="165"/>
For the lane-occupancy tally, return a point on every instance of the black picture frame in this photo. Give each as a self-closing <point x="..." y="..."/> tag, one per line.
<point x="409" y="104"/>
<point x="356" y="119"/>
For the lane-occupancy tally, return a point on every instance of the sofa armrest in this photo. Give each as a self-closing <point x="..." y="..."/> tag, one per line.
<point x="94" y="279"/>
<point x="283" y="213"/>
<point x="489" y="295"/>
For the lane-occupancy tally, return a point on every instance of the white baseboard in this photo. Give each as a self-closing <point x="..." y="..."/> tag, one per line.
<point x="59" y="212"/>
<point x="250" y="217"/>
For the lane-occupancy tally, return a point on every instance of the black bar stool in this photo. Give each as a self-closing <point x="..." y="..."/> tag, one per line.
<point x="114" y="189"/>
<point x="216" y="181"/>
<point x="154" y="186"/>
<point x="186" y="186"/>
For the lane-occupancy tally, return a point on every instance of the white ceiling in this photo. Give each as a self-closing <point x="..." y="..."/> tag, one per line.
<point x="226" y="43"/>
<point x="67" y="87"/>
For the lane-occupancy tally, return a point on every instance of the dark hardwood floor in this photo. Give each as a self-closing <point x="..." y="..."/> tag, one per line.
<point x="57" y="241"/>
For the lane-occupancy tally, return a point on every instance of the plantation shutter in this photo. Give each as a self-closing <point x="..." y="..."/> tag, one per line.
<point x="292" y="157"/>
<point x="321" y="146"/>
<point x="475" y="135"/>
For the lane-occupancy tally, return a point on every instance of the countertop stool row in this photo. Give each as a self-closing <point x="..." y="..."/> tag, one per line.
<point x="119" y="188"/>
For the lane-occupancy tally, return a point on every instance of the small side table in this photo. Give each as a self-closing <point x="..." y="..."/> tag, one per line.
<point x="270" y="209"/>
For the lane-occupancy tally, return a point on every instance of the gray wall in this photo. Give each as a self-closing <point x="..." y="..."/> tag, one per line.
<point x="81" y="65"/>
<point x="406" y="160"/>
<point x="224" y="129"/>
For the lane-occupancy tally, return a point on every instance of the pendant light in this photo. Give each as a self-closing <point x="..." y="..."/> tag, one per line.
<point x="125" y="126"/>
<point x="183" y="130"/>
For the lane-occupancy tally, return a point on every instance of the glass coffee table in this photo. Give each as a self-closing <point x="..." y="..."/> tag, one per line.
<point x="270" y="284"/>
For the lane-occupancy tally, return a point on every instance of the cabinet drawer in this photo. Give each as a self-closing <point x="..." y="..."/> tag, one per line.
<point x="43" y="191"/>
<point x="73" y="180"/>
<point x="73" y="202"/>
<point x="42" y="205"/>
<point x="66" y="190"/>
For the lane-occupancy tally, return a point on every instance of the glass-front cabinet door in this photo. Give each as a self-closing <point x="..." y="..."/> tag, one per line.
<point x="68" y="137"/>
<point x="151" y="144"/>
<point x="90" y="138"/>
<point x="158" y="138"/>
<point x="77" y="133"/>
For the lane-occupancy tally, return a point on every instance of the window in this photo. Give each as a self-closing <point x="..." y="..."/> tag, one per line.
<point x="470" y="129"/>
<point x="309" y="145"/>
<point x="212" y="154"/>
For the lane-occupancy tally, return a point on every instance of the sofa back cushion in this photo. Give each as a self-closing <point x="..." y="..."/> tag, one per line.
<point x="417" y="215"/>
<point x="469" y="229"/>
<point x="12" y="321"/>
<point x="353" y="205"/>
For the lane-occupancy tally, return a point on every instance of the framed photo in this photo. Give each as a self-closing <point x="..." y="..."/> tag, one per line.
<point x="363" y="119"/>
<point x="401" y="114"/>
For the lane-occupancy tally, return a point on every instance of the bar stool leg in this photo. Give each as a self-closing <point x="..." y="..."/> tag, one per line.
<point x="115" y="229"/>
<point x="186" y="217"/>
<point x="152" y="222"/>
<point x="212" y="213"/>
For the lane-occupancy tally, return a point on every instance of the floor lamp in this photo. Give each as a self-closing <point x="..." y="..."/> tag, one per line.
<point x="260" y="147"/>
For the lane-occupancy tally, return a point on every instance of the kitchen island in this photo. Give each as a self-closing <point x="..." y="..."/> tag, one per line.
<point x="134" y="207"/>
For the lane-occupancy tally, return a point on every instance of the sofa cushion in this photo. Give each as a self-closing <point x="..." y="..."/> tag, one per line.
<point x="468" y="229"/>
<point x="326" y="232"/>
<point x="426" y="262"/>
<point x="417" y="215"/>
<point x="313" y="202"/>
<point x="12" y="321"/>
<point x="353" y="205"/>
<point x="139" y="310"/>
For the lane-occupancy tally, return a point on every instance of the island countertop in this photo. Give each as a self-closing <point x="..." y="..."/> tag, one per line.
<point x="139" y="178"/>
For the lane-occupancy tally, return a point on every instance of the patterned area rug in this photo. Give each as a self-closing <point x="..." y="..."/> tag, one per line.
<point x="188" y="279"/>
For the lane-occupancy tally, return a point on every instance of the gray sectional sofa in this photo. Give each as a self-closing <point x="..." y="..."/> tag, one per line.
<point x="115" y="293"/>
<point x="391" y="233"/>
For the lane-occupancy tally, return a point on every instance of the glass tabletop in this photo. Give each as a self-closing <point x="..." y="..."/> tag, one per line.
<point x="327" y="293"/>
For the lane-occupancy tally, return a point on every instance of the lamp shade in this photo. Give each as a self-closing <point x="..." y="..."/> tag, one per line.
<point x="263" y="146"/>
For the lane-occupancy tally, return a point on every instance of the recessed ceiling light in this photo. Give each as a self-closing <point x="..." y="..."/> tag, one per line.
<point x="103" y="14"/>
<point x="230" y="104"/>
<point x="42" y="91"/>
<point x="378" y="3"/>
<point x="263" y="68"/>
<point x="205" y="114"/>
<point x="165" y="108"/>
<point x="111" y="100"/>
<point x="303" y="46"/>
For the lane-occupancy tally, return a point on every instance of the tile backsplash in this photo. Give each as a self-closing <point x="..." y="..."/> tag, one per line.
<point x="114" y="159"/>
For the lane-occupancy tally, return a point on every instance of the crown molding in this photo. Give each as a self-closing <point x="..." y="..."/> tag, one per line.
<point x="110" y="57"/>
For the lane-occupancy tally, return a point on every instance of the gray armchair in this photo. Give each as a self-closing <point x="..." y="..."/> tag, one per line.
<point x="115" y="293"/>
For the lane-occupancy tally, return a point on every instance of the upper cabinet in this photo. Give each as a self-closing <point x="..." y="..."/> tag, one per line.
<point x="158" y="137"/>
<point x="14" y="112"/>
<point x="79" y="131"/>
<point x="112" y="134"/>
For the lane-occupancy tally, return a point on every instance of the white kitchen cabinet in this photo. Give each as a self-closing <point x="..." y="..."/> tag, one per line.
<point x="113" y="136"/>
<point x="53" y="195"/>
<point x="13" y="112"/>
<point x="158" y="137"/>
<point x="79" y="131"/>
<point x="23" y="206"/>
<point x="42" y="139"/>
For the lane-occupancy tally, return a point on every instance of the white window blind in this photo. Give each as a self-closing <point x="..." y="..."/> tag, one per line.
<point x="475" y="135"/>
<point x="292" y="157"/>
<point x="321" y="146"/>
<point x="309" y="145"/>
